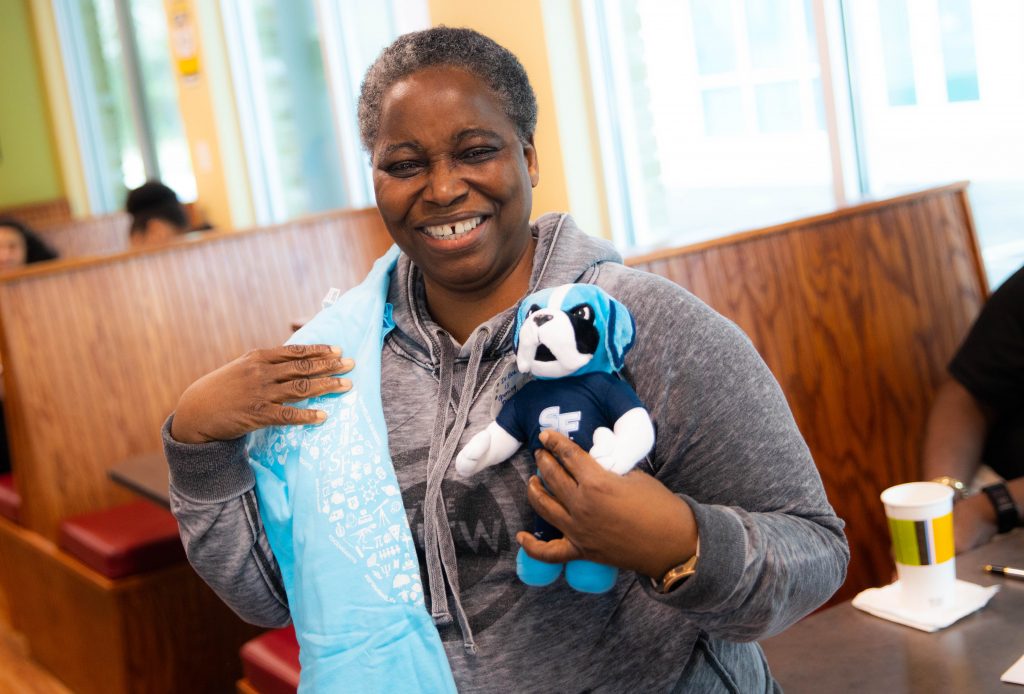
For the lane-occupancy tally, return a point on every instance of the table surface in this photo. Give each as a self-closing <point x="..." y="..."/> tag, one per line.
<point x="144" y="474"/>
<point x="842" y="649"/>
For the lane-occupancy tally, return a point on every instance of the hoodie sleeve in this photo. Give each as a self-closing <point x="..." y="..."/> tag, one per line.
<point x="213" y="499"/>
<point x="772" y="548"/>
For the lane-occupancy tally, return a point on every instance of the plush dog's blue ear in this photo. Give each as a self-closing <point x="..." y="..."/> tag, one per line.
<point x="619" y="334"/>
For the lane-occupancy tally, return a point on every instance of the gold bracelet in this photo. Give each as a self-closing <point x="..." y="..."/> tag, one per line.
<point x="677" y="574"/>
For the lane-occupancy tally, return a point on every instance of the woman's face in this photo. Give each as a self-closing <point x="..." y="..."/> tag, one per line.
<point x="12" y="248"/>
<point x="157" y="233"/>
<point x="453" y="180"/>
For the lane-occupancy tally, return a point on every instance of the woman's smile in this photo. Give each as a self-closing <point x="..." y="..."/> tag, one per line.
<point x="452" y="230"/>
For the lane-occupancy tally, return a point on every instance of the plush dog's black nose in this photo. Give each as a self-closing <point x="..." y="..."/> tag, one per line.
<point x="542" y="318"/>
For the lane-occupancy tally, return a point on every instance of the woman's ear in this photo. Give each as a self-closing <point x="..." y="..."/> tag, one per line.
<point x="530" y="154"/>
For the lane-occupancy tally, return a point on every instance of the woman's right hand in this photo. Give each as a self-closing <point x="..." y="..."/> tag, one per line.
<point x="248" y="393"/>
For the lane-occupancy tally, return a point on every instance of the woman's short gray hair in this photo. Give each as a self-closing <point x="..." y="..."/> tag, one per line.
<point x="461" y="48"/>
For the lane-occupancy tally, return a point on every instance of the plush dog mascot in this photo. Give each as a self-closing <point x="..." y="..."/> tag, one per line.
<point x="572" y="339"/>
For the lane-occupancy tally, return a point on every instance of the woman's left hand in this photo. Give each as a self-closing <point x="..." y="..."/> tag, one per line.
<point x="630" y="521"/>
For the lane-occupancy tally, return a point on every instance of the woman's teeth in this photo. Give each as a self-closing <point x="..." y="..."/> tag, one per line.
<point x="446" y="230"/>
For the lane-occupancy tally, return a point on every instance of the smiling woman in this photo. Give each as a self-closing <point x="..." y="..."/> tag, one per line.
<point x="447" y="116"/>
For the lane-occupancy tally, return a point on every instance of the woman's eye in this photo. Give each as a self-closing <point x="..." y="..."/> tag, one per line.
<point x="478" y="153"/>
<point x="403" y="168"/>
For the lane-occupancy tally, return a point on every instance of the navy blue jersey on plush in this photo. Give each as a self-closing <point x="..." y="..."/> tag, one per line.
<point x="574" y="406"/>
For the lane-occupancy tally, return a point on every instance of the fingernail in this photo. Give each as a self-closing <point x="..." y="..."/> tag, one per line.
<point x="344" y="383"/>
<point x="335" y="349"/>
<point x="321" y="416"/>
<point x="347" y="363"/>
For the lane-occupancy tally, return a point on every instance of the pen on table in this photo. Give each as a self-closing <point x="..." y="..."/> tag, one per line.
<point x="1007" y="571"/>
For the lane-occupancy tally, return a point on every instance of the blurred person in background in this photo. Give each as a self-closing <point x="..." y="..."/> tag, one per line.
<point x="19" y="245"/>
<point x="974" y="440"/>
<point x="158" y="216"/>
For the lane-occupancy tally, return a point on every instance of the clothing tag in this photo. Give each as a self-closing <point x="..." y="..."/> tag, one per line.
<point x="508" y="384"/>
<point x="333" y="294"/>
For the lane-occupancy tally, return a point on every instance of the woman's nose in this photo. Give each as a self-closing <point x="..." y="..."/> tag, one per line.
<point x="445" y="186"/>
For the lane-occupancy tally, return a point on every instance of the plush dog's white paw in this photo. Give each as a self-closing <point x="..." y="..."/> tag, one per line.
<point x="471" y="459"/>
<point x="603" y="450"/>
<point x="609" y="452"/>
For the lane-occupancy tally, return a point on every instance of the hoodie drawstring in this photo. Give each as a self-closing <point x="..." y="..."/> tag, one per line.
<point x="438" y="541"/>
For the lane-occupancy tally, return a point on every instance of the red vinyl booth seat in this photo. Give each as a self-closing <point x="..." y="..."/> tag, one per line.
<point x="10" y="502"/>
<point x="123" y="540"/>
<point x="271" y="662"/>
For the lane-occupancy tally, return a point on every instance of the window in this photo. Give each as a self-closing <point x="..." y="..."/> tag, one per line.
<point x="960" y="114"/>
<point x="716" y="119"/>
<point x="123" y="94"/>
<point x="720" y="119"/>
<point x="297" y="67"/>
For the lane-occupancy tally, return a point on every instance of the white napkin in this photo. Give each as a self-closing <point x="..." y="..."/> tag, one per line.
<point x="887" y="603"/>
<point x="1015" y="675"/>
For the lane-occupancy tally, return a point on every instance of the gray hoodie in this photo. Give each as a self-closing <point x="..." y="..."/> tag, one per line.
<point x="772" y="549"/>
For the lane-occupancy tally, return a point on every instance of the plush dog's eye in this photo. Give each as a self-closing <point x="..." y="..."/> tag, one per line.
<point x="533" y="309"/>
<point x="583" y="312"/>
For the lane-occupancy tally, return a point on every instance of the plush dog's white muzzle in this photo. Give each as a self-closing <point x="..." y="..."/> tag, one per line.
<point x="552" y="329"/>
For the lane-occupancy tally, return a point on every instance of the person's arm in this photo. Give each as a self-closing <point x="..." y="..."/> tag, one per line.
<point x="974" y="518"/>
<point x="954" y="440"/>
<point x="955" y="434"/>
<point x="213" y="500"/>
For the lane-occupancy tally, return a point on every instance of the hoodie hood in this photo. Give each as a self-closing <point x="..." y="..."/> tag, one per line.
<point x="564" y="254"/>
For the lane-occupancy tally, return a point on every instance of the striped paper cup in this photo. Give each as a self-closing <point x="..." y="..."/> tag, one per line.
<point x="920" y="518"/>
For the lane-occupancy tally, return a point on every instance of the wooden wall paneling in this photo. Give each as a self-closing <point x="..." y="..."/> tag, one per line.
<point x="40" y="215"/>
<point x="98" y="235"/>
<point x="98" y="350"/>
<point x="857" y="314"/>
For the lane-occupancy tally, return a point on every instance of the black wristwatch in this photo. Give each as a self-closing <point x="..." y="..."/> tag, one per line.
<point x="1007" y="515"/>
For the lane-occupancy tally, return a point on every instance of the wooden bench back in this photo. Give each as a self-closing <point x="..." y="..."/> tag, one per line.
<point x="100" y="235"/>
<point x="857" y="314"/>
<point x="40" y="215"/>
<point x="96" y="352"/>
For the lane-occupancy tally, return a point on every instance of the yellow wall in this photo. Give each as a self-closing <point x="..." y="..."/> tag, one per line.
<point x="28" y="167"/>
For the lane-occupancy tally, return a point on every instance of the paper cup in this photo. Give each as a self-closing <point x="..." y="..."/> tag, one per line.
<point x="920" y="518"/>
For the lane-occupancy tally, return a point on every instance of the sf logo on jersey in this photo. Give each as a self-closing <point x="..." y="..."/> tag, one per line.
<point x="565" y="424"/>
